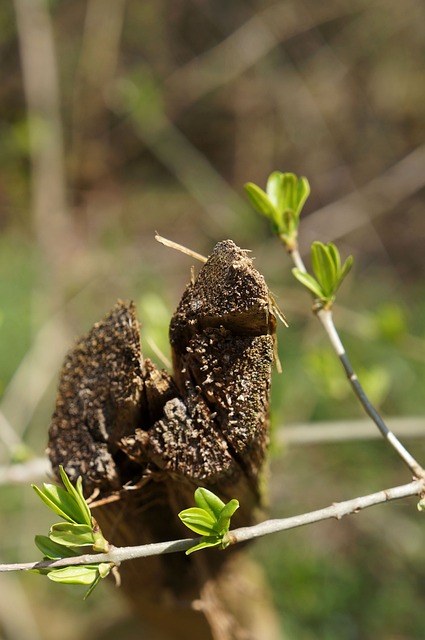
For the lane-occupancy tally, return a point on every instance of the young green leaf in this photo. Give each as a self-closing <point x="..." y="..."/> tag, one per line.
<point x="275" y="191"/>
<point x="59" y="501"/>
<point x="80" y="574"/>
<point x="207" y="500"/>
<point x="260" y="201"/>
<point x="79" y="529"/>
<point x="104" y="569"/>
<point x="71" y="535"/>
<point x="295" y="192"/>
<point x="326" y="264"/>
<point x="282" y="203"/>
<point x="334" y="256"/>
<point x="223" y="522"/>
<point x="77" y="493"/>
<point x="88" y="575"/>
<point x="289" y="189"/>
<point x="52" y="550"/>
<point x="309" y="282"/>
<point x="210" y="518"/>
<point x="199" y="521"/>
<point x="302" y="193"/>
<point x="346" y="268"/>
<point x="209" y="541"/>
<point x="324" y="267"/>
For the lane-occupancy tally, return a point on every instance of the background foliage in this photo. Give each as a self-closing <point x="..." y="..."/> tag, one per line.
<point x="119" y="118"/>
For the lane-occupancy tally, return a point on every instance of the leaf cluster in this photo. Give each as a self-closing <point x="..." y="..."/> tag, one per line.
<point x="282" y="203"/>
<point x="328" y="272"/>
<point x="210" y="518"/>
<point x="66" y="539"/>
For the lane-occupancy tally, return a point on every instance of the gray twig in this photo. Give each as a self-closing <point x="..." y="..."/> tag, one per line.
<point x="337" y="510"/>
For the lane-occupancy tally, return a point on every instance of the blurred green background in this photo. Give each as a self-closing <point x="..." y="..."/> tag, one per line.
<point x="119" y="118"/>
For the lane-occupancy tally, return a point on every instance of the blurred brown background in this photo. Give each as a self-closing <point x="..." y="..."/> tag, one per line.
<point x="119" y="118"/>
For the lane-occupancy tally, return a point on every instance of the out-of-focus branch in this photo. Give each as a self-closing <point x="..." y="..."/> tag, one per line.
<point x="374" y="199"/>
<point x="194" y="171"/>
<point x="34" y="374"/>
<point x="244" y="48"/>
<point x="31" y="471"/>
<point x="317" y="433"/>
<point x="99" y="52"/>
<point x="324" y="432"/>
<point x="8" y="435"/>
<point x="41" y="88"/>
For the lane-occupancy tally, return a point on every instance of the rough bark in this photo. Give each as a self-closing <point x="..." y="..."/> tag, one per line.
<point x="143" y="440"/>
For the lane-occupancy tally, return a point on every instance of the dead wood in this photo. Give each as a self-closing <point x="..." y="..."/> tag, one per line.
<point x="144" y="440"/>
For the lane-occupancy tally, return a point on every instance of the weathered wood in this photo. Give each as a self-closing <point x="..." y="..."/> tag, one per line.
<point x="145" y="440"/>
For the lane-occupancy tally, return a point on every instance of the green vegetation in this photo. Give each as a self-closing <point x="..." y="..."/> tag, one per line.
<point x="67" y="539"/>
<point x="337" y="95"/>
<point x="210" y="518"/>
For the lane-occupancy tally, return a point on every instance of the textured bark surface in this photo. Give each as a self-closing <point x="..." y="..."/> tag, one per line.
<point x="144" y="440"/>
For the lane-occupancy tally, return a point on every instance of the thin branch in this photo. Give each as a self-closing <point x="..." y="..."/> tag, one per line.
<point x="326" y="318"/>
<point x="298" y="261"/>
<point x="377" y="197"/>
<point x="337" y="510"/>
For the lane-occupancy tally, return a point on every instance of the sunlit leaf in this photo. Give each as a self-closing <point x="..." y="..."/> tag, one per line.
<point x="275" y="191"/>
<point x="211" y="541"/>
<point x="72" y="535"/>
<point x="207" y="500"/>
<point x="282" y="203"/>
<point x="59" y="501"/>
<point x="324" y="267"/>
<point x="227" y="512"/>
<point x="303" y="191"/>
<point x="289" y="189"/>
<point x="84" y="574"/>
<point x="346" y="268"/>
<point x="334" y="256"/>
<point x="77" y="493"/>
<point x="198" y="520"/>
<point x="309" y="282"/>
<point x="261" y="202"/>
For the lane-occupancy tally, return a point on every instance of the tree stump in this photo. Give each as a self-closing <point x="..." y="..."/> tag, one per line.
<point x="143" y="440"/>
